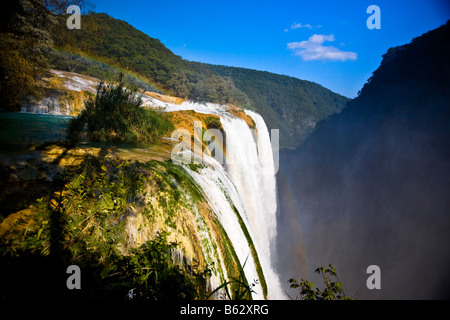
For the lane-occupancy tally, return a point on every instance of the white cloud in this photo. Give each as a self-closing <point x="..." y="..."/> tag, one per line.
<point x="296" y="25"/>
<point x="313" y="49"/>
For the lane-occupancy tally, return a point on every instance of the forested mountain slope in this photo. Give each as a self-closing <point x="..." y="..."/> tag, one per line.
<point x="106" y="45"/>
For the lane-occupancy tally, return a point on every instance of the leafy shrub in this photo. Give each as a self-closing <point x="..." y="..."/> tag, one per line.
<point x="149" y="273"/>
<point x="333" y="288"/>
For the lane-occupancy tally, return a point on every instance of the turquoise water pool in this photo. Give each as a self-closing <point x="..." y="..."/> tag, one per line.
<point x="18" y="131"/>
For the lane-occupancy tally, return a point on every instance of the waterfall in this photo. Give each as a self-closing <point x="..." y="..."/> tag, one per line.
<point x="242" y="192"/>
<point x="252" y="171"/>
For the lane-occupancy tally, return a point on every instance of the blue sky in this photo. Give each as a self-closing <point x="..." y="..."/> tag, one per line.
<point x="327" y="42"/>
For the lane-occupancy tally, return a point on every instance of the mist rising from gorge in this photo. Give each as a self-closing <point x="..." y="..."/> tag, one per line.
<point x="371" y="185"/>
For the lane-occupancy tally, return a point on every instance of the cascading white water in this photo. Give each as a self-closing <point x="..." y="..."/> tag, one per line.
<point x="246" y="181"/>
<point x="252" y="172"/>
<point x="222" y="195"/>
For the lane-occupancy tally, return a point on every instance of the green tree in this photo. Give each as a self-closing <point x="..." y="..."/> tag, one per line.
<point x="24" y="46"/>
<point x="180" y="84"/>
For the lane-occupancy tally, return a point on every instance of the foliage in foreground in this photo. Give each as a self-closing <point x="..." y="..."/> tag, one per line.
<point x="115" y="114"/>
<point x="333" y="288"/>
<point x="83" y="224"/>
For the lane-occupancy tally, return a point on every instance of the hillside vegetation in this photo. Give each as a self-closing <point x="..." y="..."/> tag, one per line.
<point x="106" y="46"/>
